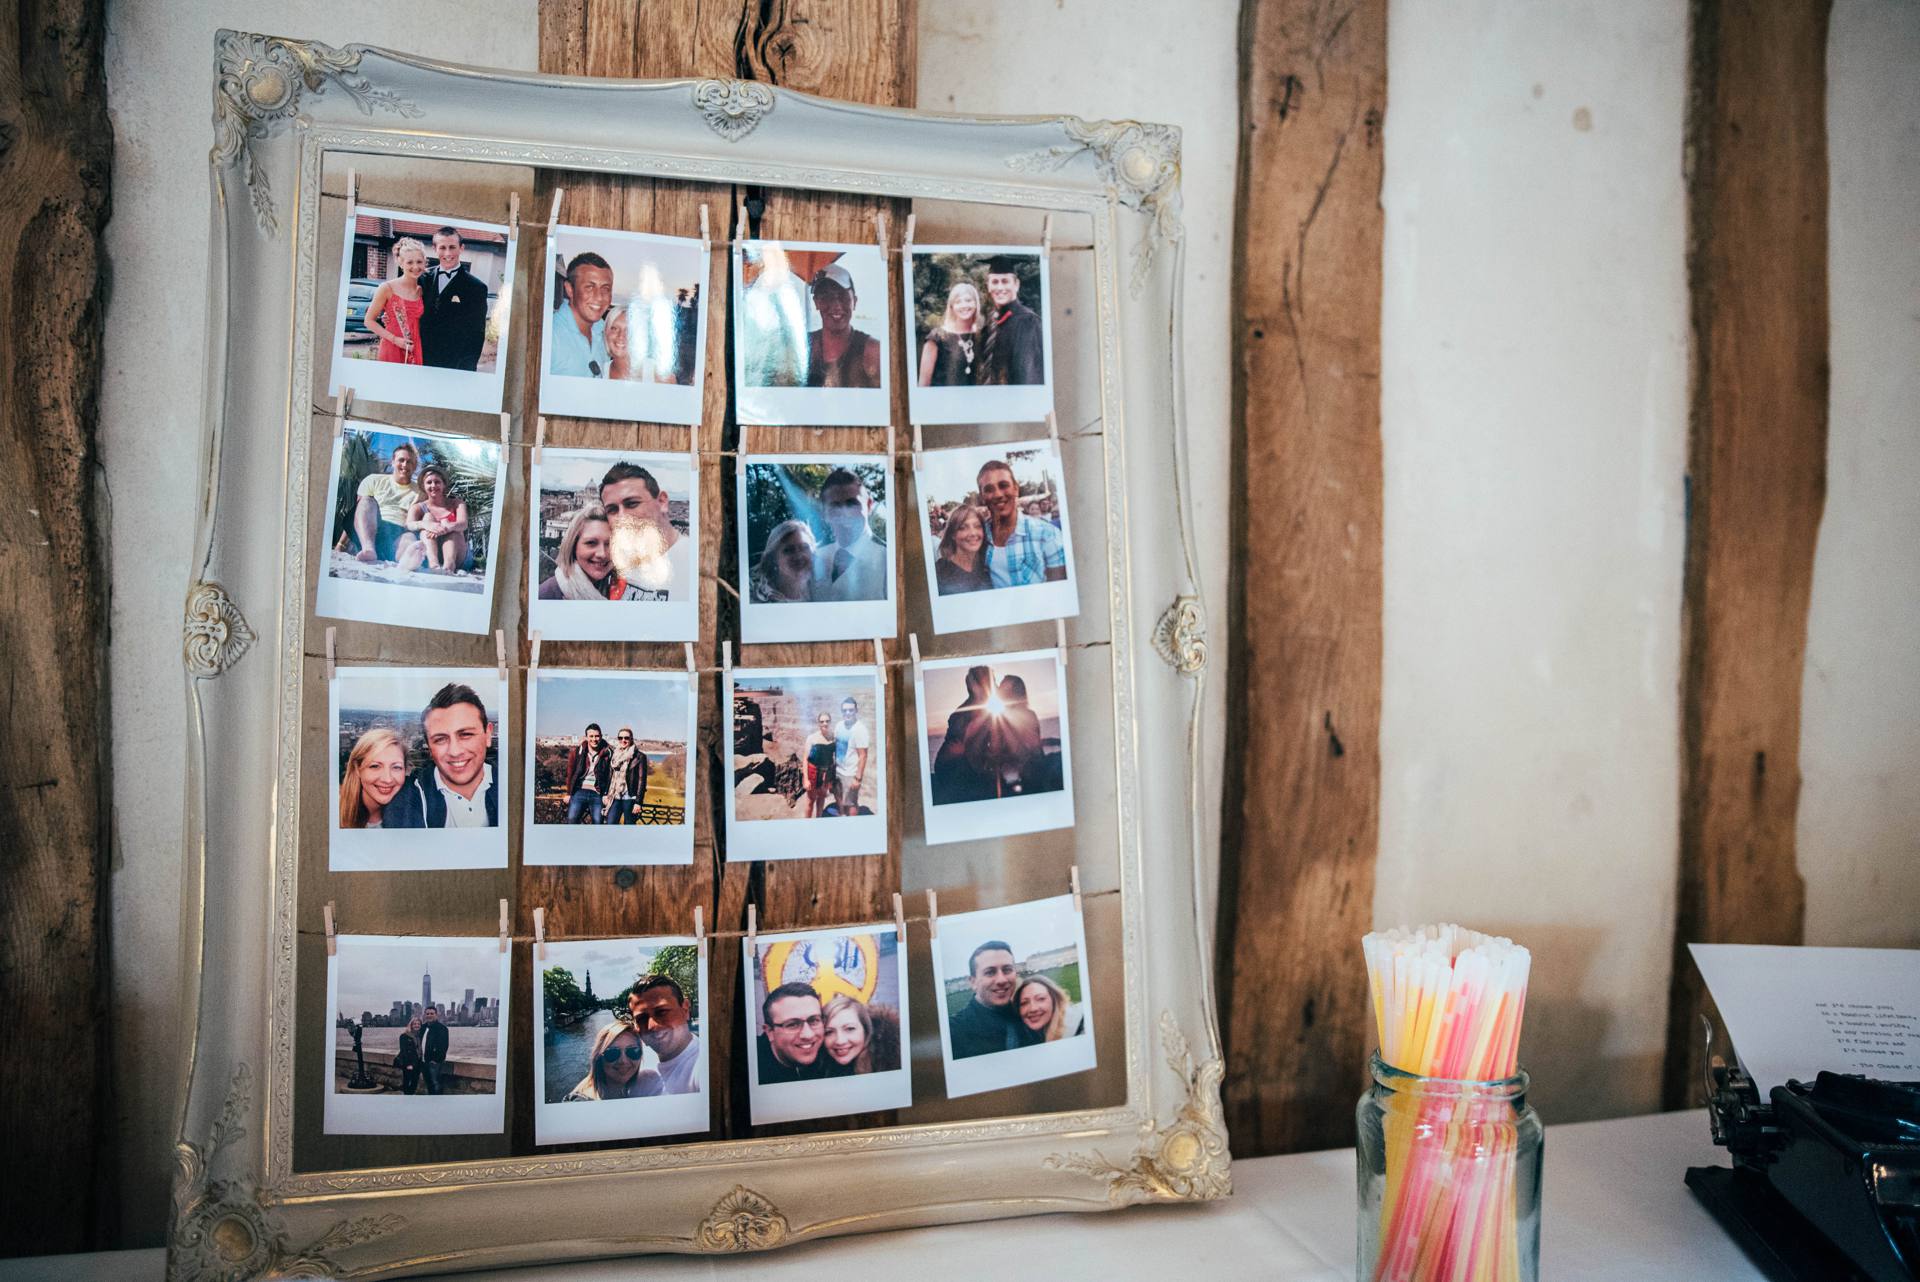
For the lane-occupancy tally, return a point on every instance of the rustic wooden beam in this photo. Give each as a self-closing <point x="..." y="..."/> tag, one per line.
<point x="1302" y="801"/>
<point x="838" y="48"/>
<point x="55" y="147"/>
<point x="1757" y="267"/>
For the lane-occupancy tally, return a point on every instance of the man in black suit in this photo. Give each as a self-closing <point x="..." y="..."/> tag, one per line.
<point x="1012" y="354"/>
<point x="453" y="328"/>
<point x="433" y="1049"/>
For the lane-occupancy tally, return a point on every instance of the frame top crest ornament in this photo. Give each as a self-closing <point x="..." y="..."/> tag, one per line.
<point x="732" y="108"/>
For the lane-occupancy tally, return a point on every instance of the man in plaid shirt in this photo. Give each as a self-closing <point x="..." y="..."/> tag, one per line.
<point x="1022" y="549"/>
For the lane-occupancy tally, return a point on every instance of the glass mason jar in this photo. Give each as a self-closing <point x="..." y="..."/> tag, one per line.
<point x="1449" y="1179"/>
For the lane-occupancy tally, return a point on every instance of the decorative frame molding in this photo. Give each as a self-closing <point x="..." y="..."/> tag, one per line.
<point x="281" y="107"/>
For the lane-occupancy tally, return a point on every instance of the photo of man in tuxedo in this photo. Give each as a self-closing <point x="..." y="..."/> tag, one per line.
<point x="453" y="325"/>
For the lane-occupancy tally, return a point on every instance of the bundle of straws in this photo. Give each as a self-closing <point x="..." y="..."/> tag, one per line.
<point x="1448" y="1003"/>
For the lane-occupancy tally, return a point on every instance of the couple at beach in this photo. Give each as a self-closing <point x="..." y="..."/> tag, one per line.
<point x="412" y="516"/>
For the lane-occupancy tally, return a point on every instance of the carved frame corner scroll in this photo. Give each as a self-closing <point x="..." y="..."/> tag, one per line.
<point x="1140" y="162"/>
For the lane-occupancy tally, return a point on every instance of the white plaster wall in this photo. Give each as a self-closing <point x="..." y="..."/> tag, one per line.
<point x="1533" y="382"/>
<point x="160" y="95"/>
<point x="1859" y="824"/>
<point x="1152" y="61"/>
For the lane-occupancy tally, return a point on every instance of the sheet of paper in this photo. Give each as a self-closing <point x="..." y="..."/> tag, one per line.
<point x="1792" y="1012"/>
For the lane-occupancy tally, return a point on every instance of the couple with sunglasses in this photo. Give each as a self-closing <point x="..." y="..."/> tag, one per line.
<point x="657" y="1018"/>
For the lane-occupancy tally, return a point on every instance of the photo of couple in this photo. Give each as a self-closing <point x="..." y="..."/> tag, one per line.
<point x="1015" y="1005"/>
<point x="810" y="334"/>
<point x="808" y="745"/>
<point x="432" y="1066"/>
<point x="637" y="1048"/>
<point x="608" y="772"/>
<point x="614" y="528"/>
<point x="828" y="1019"/>
<point x="416" y="748"/>
<point x="997" y="543"/>
<point x="993" y="745"/>
<point x="412" y="528"/>
<point x="625" y="335"/>
<point x="979" y="335"/>
<point x="816" y="560"/>
<point x="422" y="315"/>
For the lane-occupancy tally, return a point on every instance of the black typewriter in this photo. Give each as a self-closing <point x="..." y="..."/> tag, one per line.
<point x="1825" y="1181"/>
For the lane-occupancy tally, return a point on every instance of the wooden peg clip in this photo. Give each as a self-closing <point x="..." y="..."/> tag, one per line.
<point x="353" y="192"/>
<point x="533" y="662"/>
<point x="506" y="429"/>
<point x="933" y="915"/>
<point x="540" y="933"/>
<point x="506" y="928"/>
<point x="706" y="229"/>
<point x="539" y="437"/>
<point x="553" y="211"/>
<point x="726" y="658"/>
<point x="513" y="214"/>
<point x="906" y="241"/>
<point x="700" y="931"/>
<point x="1073" y="878"/>
<point x="342" y="402"/>
<point x="693" y="677"/>
<point x="330" y="635"/>
<point x="900" y="919"/>
<point x="1046" y="234"/>
<point x="740" y="227"/>
<point x="1053" y="431"/>
<point x="880" y="662"/>
<point x="1060" y="640"/>
<point x="891" y="442"/>
<point x="500" y="651"/>
<point x="880" y="231"/>
<point x="919" y="447"/>
<point x="753" y="933"/>
<point x="326" y="913"/>
<point x="913" y="648"/>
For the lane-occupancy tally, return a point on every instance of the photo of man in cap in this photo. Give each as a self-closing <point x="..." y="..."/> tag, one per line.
<point x="838" y="355"/>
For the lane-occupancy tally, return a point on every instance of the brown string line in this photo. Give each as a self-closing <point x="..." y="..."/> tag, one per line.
<point x="1083" y="432"/>
<point x="340" y="659"/>
<point x="426" y="215"/>
<point x="764" y="929"/>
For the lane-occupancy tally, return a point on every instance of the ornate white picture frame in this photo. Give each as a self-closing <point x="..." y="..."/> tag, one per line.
<point x="243" y="1206"/>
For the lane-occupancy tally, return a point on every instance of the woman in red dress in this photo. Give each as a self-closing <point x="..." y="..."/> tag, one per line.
<point x="393" y="313"/>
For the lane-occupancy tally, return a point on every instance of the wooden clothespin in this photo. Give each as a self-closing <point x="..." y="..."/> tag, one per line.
<point x="880" y="662"/>
<point x="506" y="430"/>
<point x="740" y="226"/>
<point x="1053" y="432"/>
<point x="1073" y="878"/>
<point x="1046" y="234"/>
<point x="540" y="933"/>
<point x="342" y="402"/>
<point x="726" y="659"/>
<point x="353" y="192"/>
<point x="906" y="240"/>
<point x="900" y="919"/>
<point x="880" y="231"/>
<point x="693" y="670"/>
<point x="700" y="931"/>
<point x="330" y="635"/>
<point x="539" y="437"/>
<point x="500" y="650"/>
<point x="693" y="458"/>
<point x="706" y="230"/>
<point x="533" y="662"/>
<point x="1060" y="640"/>
<point x="753" y="933"/>
<point x="506" y="928"/>
<point x="553" y="211"/>
<point x="919" y="447"/>
<point x="513" y="213"/>
<point x="326" y="913"/>
<point x="933" y="915"/>
<point x="913" y="648"/>
<point x="892" y="461"/>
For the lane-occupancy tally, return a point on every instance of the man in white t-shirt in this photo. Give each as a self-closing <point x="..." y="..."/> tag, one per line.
<point x="662" y="1019"/>
<point x="853" y="567"/>
<point x="655" y="562"/>
<point x="851" y="747"/>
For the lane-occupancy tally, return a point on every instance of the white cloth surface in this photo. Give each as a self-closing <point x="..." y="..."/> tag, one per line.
<point x="1615" y="1208"/>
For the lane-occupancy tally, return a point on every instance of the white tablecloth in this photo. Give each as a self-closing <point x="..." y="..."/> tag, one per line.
<point x="1615" y="1208"/>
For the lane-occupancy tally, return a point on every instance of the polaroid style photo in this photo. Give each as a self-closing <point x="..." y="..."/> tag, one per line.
<point x="609" y="767"/>
<point x="994" y="532"/>
<point x="994" y="759"/>
<point x="1016" y="1004"/>
<point x="816" y="548"/>
<point x="827" y="1016"/>
<point x="810" y="334"/>
<point x="423" y="311"/>
<point x="418" y="1028"/>
<point x="809" y="763"/>
<point x="979" y="334"/>
<point x="626" y="333"/>
<point x="417" y="748"/>
<point x="618" y="1039"/>
<point x="614" y="549"/>
<point x="412" y="529"/>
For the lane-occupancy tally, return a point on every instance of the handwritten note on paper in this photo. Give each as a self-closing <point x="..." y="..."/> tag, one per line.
<point x="1792" y="1012"/>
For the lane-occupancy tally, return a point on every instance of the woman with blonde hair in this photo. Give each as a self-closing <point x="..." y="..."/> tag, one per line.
<point x="613" y="1071"/>
<point x="947" y="358"/>
<point x="785" y="569"/>
<point x="375" y="769"/>
<point x="583" y="567"/>
<point x="962" y="564"/>
<point x="393" y="313"/>
<point x="859" y="1038"/>
<point x="1043" y="1007"/>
